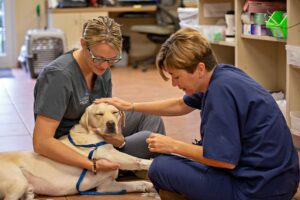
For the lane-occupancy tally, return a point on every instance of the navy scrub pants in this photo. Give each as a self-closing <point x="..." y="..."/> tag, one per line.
<point x="189" y="178"/>
<point x="138" y="127"/>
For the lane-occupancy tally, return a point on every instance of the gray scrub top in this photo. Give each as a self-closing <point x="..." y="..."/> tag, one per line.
<point x="61" y="92"/>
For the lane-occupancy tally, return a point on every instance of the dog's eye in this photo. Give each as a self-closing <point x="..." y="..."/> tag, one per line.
<point x="99" y="114"/>
<point x="115" y="113"/>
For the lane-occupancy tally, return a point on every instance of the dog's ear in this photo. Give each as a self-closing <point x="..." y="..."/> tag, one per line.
<point x="122" y="118"/>
<point x="121" y="122"/>
<point x="84" y="120"/>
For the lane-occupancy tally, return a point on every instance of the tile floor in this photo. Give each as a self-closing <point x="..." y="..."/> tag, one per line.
<point x="17" y="121"/>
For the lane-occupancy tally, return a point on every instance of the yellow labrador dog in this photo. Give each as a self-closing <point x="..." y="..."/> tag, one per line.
<point x="23" y="174"/>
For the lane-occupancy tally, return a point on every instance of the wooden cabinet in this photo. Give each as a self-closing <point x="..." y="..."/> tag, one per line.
<point x="70" y="20"/>
<point x="71" y="23"/>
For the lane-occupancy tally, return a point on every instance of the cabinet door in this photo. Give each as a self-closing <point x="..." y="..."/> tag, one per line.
<point x="69" y="23"/>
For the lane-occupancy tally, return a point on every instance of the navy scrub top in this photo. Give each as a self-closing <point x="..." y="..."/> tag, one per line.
<point x="242" y="124"/>
<point x="61" y="92"/>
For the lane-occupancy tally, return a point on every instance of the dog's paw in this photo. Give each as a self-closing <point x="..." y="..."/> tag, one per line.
<point x="144" y="164"/>
<point x="29" y="195"/>
<point x="146" y="186"/>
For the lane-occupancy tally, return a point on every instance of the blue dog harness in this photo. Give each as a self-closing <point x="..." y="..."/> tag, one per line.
<point x="84" y="171"/>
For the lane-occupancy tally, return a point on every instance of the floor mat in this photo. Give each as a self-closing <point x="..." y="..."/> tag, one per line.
<point x="6" y="73"/>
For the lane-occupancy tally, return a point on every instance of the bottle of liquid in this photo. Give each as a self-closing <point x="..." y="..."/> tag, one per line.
<point x="230" y="26"/>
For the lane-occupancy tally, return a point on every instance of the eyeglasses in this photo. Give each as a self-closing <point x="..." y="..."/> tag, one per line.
<point x="100" y="60"/>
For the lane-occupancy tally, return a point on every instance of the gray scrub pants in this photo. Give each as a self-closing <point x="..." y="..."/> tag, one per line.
<point x="138" y="127"/>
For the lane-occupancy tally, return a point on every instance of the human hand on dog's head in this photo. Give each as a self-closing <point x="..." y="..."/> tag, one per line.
<point x="117" y="102"/>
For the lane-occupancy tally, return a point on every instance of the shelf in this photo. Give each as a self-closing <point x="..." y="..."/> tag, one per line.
<point x="105" y="9"/>
<point x="295" y="66"/>
<point x="264" y="38"/>
<point x="224" y="43"/>
<point x="272" y="62"/>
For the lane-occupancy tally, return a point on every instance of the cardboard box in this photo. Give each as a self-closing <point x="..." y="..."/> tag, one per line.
<point x="254" y="6"/>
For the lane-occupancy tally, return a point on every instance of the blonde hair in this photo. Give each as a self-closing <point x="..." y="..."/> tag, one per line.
<point x="184" y="50"/>
<point x="103" y="30"/>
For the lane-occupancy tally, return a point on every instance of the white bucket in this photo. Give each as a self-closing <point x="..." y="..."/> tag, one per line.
<point x="188" y="15"/>
<point x="214" y="33"/>
<point x="295" y="120"/>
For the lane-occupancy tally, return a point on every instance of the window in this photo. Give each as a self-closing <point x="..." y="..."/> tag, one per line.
<point x="7" y="45"/>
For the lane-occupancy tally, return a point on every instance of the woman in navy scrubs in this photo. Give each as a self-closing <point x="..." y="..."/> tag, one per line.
<point x="246" y="150"/>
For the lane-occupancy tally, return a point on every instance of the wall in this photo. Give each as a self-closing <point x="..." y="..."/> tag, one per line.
<point x="26" y="18"/>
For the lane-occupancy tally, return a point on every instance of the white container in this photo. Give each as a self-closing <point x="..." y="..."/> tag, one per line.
<point x="295" y="120"/>
<point x="230" y="25"/>
<point x="188" y="15"/>
<point x="214" y="33"/>
<point x="282" y="106"/>
<point x="295" y="132"/>
<point x="293" y="55"/>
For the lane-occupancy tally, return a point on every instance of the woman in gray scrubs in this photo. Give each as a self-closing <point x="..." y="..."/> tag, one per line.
<point x="71" y="83"/>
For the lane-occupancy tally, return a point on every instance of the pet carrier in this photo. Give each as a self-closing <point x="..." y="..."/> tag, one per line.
<point x="42" y="47"/>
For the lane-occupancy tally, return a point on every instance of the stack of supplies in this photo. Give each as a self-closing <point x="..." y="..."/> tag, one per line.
<point x="264" y="18"/>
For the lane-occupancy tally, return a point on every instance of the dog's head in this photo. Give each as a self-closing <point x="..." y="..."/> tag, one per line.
<point x="103" y="118"/>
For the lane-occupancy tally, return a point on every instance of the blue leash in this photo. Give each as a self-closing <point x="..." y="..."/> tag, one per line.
<point x="84" y="171"/>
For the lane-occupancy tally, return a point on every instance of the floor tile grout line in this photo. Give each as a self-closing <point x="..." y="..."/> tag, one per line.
<point x="16" y="109"/>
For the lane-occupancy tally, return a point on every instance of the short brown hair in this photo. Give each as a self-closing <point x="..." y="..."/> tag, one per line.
<point x="103" y="30"/>
<point x="184" y="50"/>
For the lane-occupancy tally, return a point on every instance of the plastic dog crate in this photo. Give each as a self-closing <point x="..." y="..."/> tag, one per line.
<point x="42" y="47"/>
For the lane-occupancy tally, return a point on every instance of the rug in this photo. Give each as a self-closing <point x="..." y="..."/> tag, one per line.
<point x="6" y="73"/>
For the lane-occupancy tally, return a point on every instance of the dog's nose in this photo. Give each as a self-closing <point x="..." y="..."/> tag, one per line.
<point x="110" y="124"/>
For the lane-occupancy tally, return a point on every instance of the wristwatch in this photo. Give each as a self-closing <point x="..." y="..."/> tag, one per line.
<point x="122" y="145"/>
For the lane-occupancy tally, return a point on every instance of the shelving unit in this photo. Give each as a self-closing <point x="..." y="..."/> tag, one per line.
<point x="224" y="43"/>
<point x="225" y="51"/>
<point x="264" y="58"/>
<point x="265" y="38"/>
<point x="293" y="72"/>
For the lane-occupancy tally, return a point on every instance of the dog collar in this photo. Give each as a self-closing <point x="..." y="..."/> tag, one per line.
<point x="86" y="145"/>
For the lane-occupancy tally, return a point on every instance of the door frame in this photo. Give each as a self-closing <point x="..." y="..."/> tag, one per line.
<point x="9" y="59"/>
